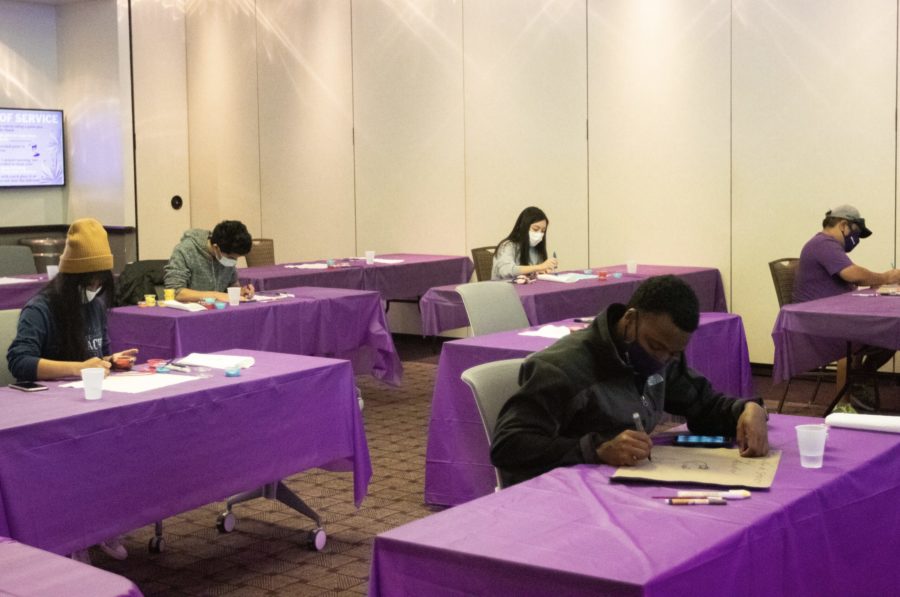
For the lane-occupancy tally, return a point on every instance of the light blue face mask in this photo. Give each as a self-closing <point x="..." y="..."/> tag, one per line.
<point x="223" y="260"/>
<point x="90" y="295"/>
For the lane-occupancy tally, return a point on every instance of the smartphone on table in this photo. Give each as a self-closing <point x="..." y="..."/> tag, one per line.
<point x="703" y="441"/>
<point x="27" y="386"/>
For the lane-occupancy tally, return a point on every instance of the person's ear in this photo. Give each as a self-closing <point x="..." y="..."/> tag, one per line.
<point x="629" y="318"/>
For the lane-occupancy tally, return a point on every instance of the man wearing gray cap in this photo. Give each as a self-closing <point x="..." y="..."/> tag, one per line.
<point x="826" y="270"/>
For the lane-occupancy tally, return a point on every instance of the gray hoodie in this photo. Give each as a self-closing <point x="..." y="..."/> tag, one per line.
<point x="192" y="266"/>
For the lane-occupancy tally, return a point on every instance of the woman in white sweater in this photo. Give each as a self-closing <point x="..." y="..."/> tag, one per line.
<point x="530" y="231"/>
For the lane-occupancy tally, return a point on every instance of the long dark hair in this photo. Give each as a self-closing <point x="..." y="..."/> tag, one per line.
<point x="519" y="234"/>
<point x="65" y="295"/>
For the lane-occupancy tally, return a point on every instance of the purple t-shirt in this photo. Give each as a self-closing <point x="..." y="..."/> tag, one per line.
<point x="821" y="260"/>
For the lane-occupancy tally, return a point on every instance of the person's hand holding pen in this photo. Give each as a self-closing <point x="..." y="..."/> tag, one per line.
<point x="247" y="291"/>
<point x="626" y="449"/>
<point x="549" y="265"/>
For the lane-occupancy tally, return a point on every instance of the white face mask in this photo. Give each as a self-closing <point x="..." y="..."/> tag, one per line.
<point x="225" y="261"/>
<point x="535" y="238"/>
<point x="89" y="295"/>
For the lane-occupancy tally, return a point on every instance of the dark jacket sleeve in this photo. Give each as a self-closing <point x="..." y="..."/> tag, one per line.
<point x="527" y="440"/>
<point x="30" y="343"/>
<point x="690" y="395"/>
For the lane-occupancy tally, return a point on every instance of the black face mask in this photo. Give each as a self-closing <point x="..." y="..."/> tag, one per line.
<point x="640" y="360"/>
<point x="851" y="240"/>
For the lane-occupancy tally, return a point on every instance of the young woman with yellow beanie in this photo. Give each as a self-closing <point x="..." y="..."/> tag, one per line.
<point x="62" y="329"/>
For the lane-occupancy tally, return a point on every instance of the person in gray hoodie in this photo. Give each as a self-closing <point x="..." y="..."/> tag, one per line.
<point x="203" y="264"/>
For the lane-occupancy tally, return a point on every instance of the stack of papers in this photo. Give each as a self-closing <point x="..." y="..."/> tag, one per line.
<point x="217" y="361"/>
<point x="381" y="260"/>
<point x="889" y="290"/>
<point x="262" y="298"/>
<point x="5" y="280"/>
<point x="566" y="278"/>
<point x="182" y="306"/>
<point x="135" y="384"/>
<point x="548" y="331"/>
<point x="309" y="266"/>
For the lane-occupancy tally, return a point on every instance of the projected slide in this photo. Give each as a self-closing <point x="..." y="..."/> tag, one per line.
<point x="31" y="148"/>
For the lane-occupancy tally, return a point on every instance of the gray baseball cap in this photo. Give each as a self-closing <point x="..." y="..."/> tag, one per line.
<point x="851" y="214"/>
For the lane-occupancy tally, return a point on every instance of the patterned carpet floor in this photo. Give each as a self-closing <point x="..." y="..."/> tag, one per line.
<point x="266" y="555"/>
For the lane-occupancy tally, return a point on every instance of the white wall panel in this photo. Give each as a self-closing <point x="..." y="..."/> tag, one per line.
<point x="306" y="128"/>
<point x="28" y="71"/>
<point x="408" y="109"/>
<point x="659" y="132"/>
<point x="526" y="111"/>
<point x="814" y="100"/>
<point x="161" y="125"/>
<point x="223" y="112"/>
<point x="95" y="90"/>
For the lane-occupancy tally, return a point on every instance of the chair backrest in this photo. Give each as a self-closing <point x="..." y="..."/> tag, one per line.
<point x="139" y="278"/>
<point x="484" y="262"/>
<point x="16" y="259"/>
<point x="262" y="252"/>
<point x="783" y="272"/>
<point x="492" y="307"/>
<point x="9" y="321"/>
<point x="492" y="385"/>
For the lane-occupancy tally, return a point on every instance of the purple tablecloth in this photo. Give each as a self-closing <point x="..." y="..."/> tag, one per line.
<point x="26" y="571"/>
<point x="74" y="472"/>
<point x="815" y="333"/>
<point x="407" y="280"/>
<point x="14" y="296"/>
<point x="457" y="460"/>
<point x="828" y="531"/>
<point x="545" y="302"/>
<point x="328" y="322"/>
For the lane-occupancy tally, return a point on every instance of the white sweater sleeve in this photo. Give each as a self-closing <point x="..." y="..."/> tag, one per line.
<point x="506" y="261"/>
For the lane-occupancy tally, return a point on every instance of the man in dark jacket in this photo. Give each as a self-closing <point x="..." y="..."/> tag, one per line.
<point x="578" y="397"/>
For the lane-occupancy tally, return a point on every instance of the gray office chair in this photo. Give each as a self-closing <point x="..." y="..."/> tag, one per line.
<point x="16" y="259"/>
<point x="492" y="385"/>
<point x="9" y="321"/>
<point x="492" y="307"/>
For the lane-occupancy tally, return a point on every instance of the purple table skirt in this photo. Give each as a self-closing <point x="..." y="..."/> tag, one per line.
<point x="74" y="472"/>
<point x="546" y="302"/>
<point x="14" y="296"/>
<point x="815" y="333"/>
<point x="407" y="280"/>
<point x="329" y="322"/>
<point x="26" y="571"/>
<point x="828" y="531"/>
<point x="457" y="461"/>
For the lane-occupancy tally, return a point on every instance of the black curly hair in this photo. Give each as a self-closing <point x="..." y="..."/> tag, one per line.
<point x="671" y="296"/>
<point x="232" y="237"/>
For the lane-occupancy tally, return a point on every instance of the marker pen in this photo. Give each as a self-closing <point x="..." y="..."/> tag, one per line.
<point x="731" y="494"/>
<point x="710" y="501"/>
<point x="639" y="426"/>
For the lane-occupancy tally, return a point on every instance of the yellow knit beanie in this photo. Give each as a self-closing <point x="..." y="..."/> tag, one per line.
<point x="87" y="249"/>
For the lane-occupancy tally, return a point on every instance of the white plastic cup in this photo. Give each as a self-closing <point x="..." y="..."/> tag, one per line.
<point x="52" y="270"/>
<point x="93" y="382"/>
<point x="234" y="296"/>
<point x="370" y="257"/>
<point x="811" y="441"/>
<point x="631" y="267"/>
